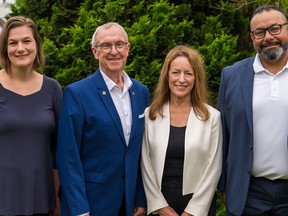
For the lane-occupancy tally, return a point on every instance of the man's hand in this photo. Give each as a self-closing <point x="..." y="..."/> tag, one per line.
<point x="139" y="211"/>
<point x="223" y="196"/>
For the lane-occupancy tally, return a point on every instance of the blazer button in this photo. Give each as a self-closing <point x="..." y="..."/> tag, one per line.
<point x="126" y="154"/>
<point x="249" y="172"/>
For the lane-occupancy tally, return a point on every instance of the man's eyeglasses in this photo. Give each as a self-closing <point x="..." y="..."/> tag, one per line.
<point x="274" y="29"/>
<point x="107" y="47"/>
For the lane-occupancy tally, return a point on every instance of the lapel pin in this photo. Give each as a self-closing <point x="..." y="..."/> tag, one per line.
<point x="103" y="92"/>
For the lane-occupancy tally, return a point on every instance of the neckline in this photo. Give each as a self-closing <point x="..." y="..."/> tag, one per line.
<point x="20" y="95"/>
<point x="179" y="127"/>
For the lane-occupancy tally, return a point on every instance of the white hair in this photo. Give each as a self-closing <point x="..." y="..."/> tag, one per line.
<point x="107" y="26"/>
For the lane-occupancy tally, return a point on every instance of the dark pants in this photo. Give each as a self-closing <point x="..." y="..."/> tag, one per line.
<point x="178" y="202"/>
<point x="33" y="215"/>
<point x="266" y="198"/>
<point x="122" y="211"/>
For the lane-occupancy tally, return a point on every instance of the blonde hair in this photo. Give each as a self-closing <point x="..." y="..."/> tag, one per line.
<point x="199" y="95"/>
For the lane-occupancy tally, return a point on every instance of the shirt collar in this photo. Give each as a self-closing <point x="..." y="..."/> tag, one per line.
<point x="111" y="84"/>
<point x="258" y="67"/>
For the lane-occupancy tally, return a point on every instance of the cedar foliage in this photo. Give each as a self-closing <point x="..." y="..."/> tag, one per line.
<point x="218" y="29"/>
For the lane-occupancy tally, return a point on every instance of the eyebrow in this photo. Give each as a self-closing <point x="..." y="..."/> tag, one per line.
<point x="262" y="28"/>
<point x="27" y="37"/>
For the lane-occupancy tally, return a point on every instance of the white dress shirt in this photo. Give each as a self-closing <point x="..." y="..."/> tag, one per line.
<point x="270" y="122"/>
<point x="122" y="102"/>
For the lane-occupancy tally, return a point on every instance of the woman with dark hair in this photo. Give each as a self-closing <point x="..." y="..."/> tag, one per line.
<point x="29" y="108"/>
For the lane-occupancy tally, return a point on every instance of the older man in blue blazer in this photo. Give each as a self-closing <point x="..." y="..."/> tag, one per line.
<point x="253" y="103"/>
<point x="100" y="134"/>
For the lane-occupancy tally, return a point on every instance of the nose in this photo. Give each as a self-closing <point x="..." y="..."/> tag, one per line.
<point x="182" y="77"/>
<point x="113" y="49"/>
<point x="20" y="47"/>
<point x="268" y="35"/>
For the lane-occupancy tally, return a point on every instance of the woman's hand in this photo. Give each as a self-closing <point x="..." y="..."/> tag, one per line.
<point x="167" y="211"/>
<point x="186" y="214"/>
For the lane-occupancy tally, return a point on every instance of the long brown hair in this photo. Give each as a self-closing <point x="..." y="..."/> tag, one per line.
<point x="199" y="95"/>
<point x="14" y="22"/>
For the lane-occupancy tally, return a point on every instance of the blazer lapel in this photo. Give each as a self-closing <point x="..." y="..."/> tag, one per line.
<point x="164" y="126"/>
<point x="247" y="79"/>
<point x="104" y="94"/>
<point x="134" y="109"/>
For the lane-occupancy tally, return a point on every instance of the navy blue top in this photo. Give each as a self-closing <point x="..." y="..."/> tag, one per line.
<point x="27" y="139"/>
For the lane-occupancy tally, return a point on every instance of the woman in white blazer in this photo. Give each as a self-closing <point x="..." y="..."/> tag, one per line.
<point x="182" y="144"/>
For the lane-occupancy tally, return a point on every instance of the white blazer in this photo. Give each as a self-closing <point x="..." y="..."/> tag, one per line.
<point x="202" y="160"/>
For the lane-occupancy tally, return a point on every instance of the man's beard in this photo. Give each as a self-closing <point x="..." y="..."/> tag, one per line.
<point x="273" y="54"/>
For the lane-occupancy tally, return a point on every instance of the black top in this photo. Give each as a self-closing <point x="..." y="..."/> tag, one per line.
<point x="173" y="168"/>
<point x="27" y="136"/>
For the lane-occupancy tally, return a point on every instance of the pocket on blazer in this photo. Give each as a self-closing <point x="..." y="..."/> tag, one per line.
<point x="93" y="177"/>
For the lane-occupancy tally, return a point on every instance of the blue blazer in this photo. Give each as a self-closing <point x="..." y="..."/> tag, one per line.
<point x="235" y="105"/>
<point x="95" y="166"/>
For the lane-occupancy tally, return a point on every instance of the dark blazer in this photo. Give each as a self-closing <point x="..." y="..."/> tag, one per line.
<point x="95" y="166"/>
<point x="235" y="105"/>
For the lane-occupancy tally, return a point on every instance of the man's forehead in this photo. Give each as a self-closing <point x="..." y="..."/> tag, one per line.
<point x="267" y="18"/>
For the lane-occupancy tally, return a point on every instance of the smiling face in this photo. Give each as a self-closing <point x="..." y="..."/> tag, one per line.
<point x="115" y="60"/>
<point x="181" y="79"/>
<point x="21" y="48"/>
<point x="271" y="47"/>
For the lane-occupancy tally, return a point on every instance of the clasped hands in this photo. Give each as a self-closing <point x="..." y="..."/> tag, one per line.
<point x="168" y="211"/>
